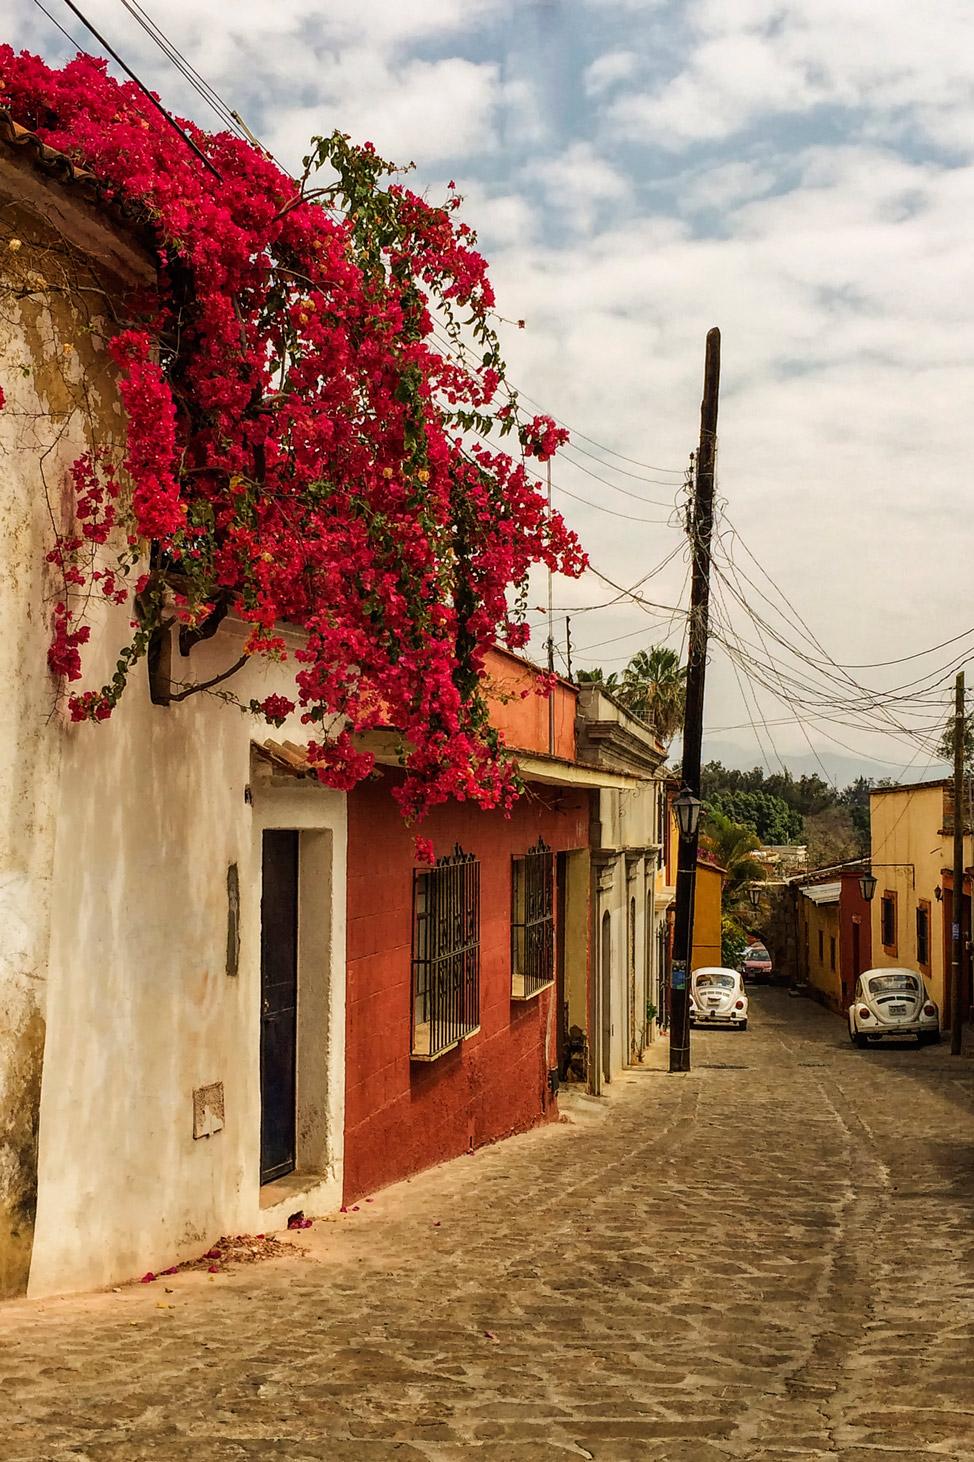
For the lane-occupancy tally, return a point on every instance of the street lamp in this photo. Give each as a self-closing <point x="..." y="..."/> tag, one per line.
<point x="754" y="894"/>
<point x="687" y="810"/>
<point x="867" y="887"/>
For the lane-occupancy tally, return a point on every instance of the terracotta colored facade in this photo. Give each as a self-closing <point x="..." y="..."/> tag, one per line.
<point x="402" y="1115"/>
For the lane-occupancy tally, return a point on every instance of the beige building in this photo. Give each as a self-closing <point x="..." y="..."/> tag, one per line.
<point x="912" y="857"/>
<point x="625" y="918"/>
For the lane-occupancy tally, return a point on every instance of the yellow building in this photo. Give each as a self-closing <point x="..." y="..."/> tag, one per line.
<point x="819" y="941"/>
<point x="912" y="855"/>
<point x="707" y="890"/>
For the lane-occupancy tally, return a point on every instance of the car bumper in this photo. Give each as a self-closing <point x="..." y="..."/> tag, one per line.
<point x="911" y="1028"/>
<point x="729" y="1017"/>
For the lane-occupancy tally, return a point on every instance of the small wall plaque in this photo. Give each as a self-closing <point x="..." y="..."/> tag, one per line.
<point x="208" y="1110"/>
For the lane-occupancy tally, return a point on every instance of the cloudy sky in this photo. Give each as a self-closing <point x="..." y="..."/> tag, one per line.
<point x="800" y="174"/>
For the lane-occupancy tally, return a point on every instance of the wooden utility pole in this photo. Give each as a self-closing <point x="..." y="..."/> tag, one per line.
<point x="701" y="531"/>
<point x="957" y="897"/>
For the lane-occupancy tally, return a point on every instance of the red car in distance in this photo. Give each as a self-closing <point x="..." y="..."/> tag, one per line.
<point x="756" y="964"/>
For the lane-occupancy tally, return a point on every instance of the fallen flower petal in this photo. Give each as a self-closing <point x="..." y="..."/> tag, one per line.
<point x="147" y="1278"/>
<point x="214" y="1269"/>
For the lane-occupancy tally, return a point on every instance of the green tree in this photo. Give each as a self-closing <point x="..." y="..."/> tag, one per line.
<point x="733" y="941"/>
<point x="855" y="800"/>
<point x="770" y="817"/>
<point x="733" y="846"/>
<point x="945" y="747"/>
<point x="831" y="838"/>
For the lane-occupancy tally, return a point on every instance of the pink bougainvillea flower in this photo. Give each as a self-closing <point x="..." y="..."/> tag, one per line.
<point x="214" y="1269"/>
<point x="147" y="1278"/>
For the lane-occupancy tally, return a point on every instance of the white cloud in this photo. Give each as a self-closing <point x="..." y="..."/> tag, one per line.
<point x="576" y="185"/>
<point x="422" y="111"/>
<point x="898" y="66"/>
<point x="605" y="73"/>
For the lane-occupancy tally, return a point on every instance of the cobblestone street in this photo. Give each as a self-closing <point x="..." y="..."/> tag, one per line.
<point x="770" y="1258"/>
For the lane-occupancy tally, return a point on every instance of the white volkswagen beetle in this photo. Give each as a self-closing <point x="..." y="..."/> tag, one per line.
<point x="892" y="1003"/>
<point x="717" y="997"/>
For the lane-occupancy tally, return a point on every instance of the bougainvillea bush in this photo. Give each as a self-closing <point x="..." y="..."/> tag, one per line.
<point x="311" y="393"/>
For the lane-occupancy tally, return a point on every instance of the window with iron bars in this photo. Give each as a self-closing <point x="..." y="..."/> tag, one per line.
<point x="446" y="954"/>
<point x="532" y="922"/>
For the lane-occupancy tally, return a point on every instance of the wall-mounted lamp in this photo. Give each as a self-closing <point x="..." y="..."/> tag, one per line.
<point x="938" y="893"/>
<point x="686" y="807"/>
<point x="754" y="894"/>
<point x="867" y="887"/>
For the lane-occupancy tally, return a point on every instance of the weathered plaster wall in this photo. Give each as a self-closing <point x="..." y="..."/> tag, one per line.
<point x="141" y="1009"/>
<point x="48" y="349"/>
<point x="115" y="840"/>
<point x="824" y="978"/>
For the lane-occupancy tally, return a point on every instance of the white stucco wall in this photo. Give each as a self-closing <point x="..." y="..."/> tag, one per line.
<point x="114" y="849"/>
<point x="141" y="1010"/>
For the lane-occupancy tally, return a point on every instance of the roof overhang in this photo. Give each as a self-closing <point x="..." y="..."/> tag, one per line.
<point x="553" y="770"/>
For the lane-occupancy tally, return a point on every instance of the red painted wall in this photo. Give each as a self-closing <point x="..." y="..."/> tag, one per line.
<point x="851" y="902"/>
<point x="402" y="1116"/>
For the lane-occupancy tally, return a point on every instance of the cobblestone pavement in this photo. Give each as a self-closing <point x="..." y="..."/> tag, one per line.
<point x="770" y="1258"/>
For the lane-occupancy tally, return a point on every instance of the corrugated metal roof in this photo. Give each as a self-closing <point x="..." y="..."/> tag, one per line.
<point x="822" y="893"/>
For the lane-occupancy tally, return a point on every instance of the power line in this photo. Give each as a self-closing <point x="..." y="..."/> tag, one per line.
<point x="170" y="120"/>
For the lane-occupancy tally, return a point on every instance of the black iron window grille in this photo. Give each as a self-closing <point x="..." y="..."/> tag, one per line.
<point x="532" y="922"/>
<point x="446" y="954"/>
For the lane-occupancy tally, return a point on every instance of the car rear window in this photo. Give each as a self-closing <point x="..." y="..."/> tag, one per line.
<point x="714" y="982"/>
<point x="894" y="984"/>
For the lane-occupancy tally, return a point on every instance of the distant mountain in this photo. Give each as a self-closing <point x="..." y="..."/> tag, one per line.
<point x="838" y="768"/>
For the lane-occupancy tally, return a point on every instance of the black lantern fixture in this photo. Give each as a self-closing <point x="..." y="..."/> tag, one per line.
<point x="867" y="886"/>
<point x="687" y="810"/>
<point x="754" y="894"/>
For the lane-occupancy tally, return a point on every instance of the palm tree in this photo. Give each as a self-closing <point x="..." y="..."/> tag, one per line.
<point x="654" y="688"/>
<point x="733" y="845"/>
